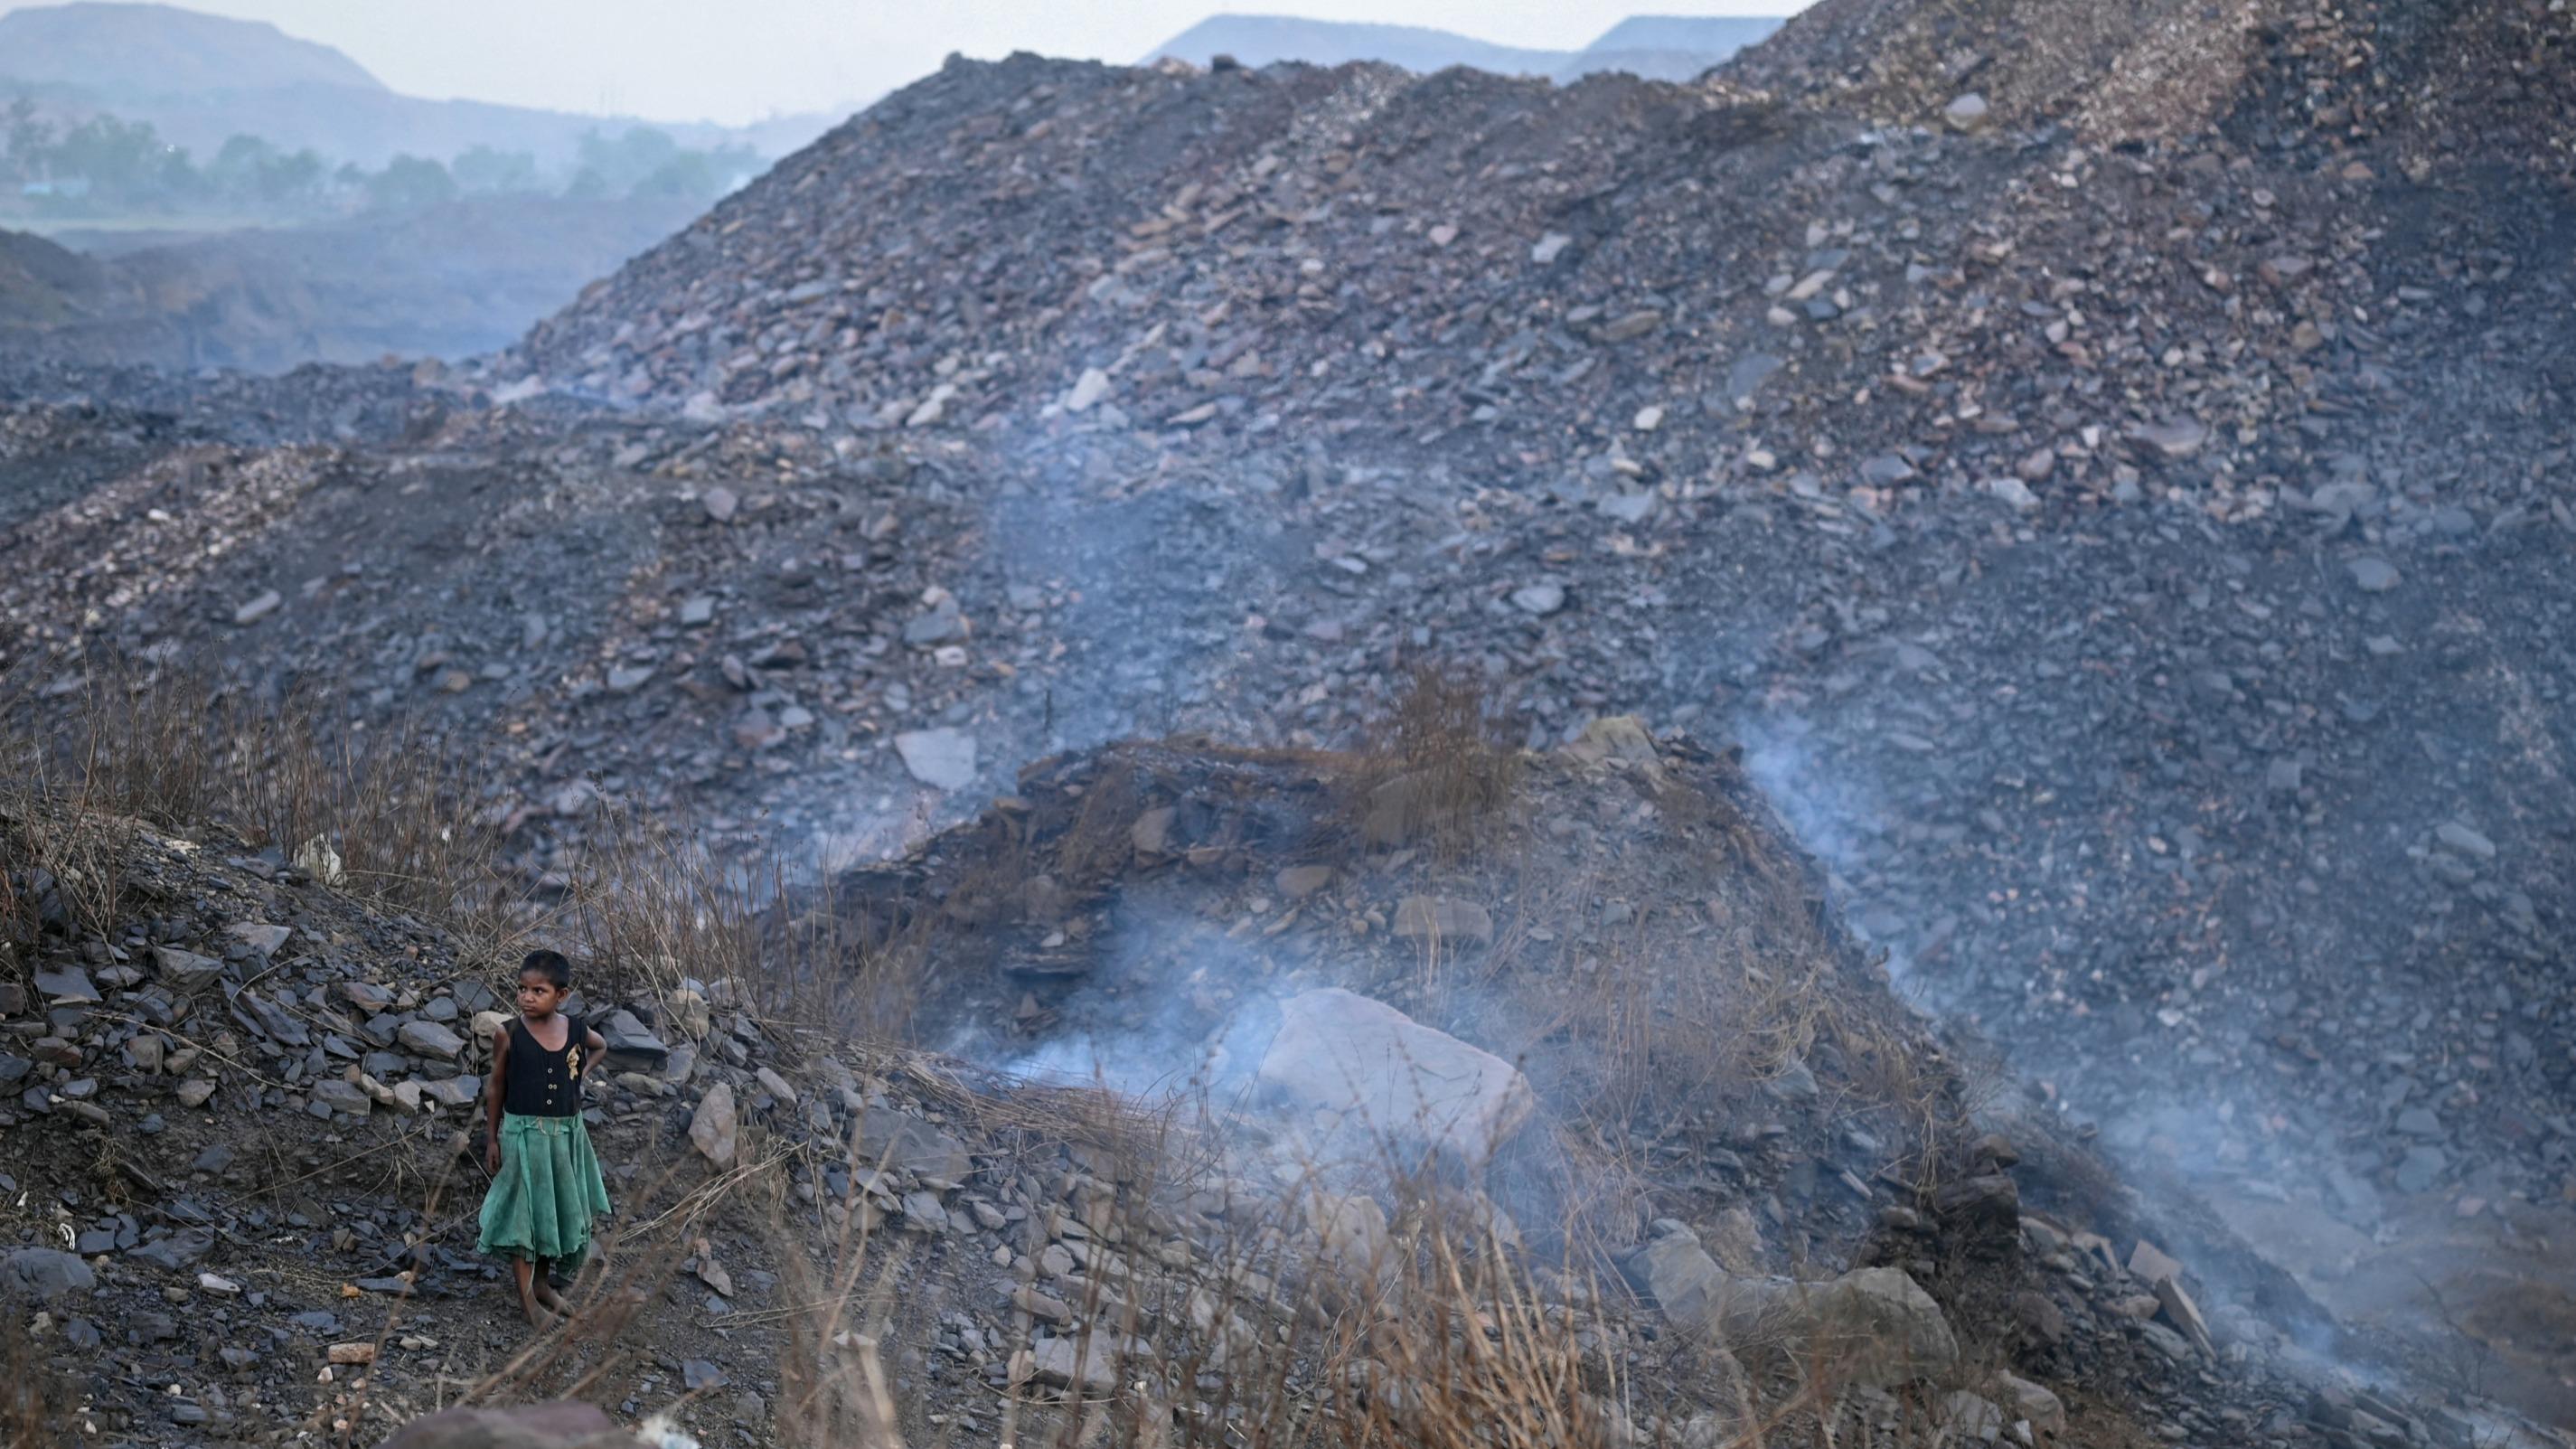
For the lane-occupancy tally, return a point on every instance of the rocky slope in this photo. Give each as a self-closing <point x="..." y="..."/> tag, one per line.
<point x="241" y="1212"/>
<point x="2134" y="562"/>
<point x="2425" y="84"/>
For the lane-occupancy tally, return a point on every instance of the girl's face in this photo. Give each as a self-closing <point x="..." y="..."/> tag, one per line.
<point x="538" y="997"/>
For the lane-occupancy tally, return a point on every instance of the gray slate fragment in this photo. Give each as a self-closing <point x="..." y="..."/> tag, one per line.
<point x="68" y="987"/>
<point x="430" y="1039"/>
<point x="185" y="972"/>
<point x="46" y="1273"/>
<point x="942" y="758"/>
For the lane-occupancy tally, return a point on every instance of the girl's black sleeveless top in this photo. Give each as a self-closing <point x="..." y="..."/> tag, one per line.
<point x="541" y="1083"/>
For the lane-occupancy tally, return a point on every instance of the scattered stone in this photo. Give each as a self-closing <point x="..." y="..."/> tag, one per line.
<point x="45" y="1273"/>
<point x="2465" y="840"/>
<point x="432" y="1039"/>
<point x="1540" y="599"/>
<point x="1087" y="391"/>
<point x="1296" y="882"/>
<point x="712" y="1129"/>
<point x="942" y="758"/>
<point x="68" y="986"/>
<point x="1439" y="918"/>
<point x="2175" y="437"/>
<point x="263" y="939"/>
<point x="899" y="1142"/>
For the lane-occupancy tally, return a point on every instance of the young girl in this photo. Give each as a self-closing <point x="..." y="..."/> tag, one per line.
<point x="546" y="1186"/>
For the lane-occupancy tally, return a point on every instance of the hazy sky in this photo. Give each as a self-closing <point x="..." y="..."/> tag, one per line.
<point x="738" y="60"/>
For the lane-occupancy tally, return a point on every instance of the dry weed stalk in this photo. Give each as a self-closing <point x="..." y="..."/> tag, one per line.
<point x="31" y="1404"/>
<point x="179" y="748"/>
<point x="653" y="905"/>
<point x="1436" y="767"/>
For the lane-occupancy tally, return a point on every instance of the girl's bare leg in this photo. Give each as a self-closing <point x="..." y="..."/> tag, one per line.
<point x="526" y="1271"/>
<point x="541" y="1283"/>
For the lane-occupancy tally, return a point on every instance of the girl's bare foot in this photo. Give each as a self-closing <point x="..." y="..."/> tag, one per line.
<point x="546" y="1296"/>
<point x="540" y="1317"/>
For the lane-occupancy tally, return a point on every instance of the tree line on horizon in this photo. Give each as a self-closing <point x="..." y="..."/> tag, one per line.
<point x="104" y="165"/>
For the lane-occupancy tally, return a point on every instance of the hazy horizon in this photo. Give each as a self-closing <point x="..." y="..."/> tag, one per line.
<point x="759" y="58"/>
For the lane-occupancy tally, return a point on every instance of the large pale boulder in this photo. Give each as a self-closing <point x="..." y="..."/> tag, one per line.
<point x="1394" y="1079"/>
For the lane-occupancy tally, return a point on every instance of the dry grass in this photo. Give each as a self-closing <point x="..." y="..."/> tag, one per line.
<point x="177" y="749"/>
<point x="32" y="1402"/>
<point x="1436" y="768"/>
<point x="651" y="905"/>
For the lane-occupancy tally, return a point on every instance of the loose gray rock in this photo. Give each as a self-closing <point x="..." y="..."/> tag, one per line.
<point x="69" y="986"/>
<point x="431" y="1039"/>
<point x="902" y="1143"/>
<point x="2465" y="840"/>
<point x="943" y="758"/>
<point x="1541" y="599"/>
<point x="1394" y="1078"/>
<point x="46" y="1273"/>
<point x="712" y="1130"/>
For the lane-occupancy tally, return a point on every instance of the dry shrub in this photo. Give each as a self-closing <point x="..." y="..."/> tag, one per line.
<point x="1462" y="1351"/>
<point x="651" y="904"/>
<point x="1436" y="767"/>
<point x="32" y="1403"/>
<point x="834" y="1392"/>
<point x="69" y="849"/>
<point x="179" y="748"/>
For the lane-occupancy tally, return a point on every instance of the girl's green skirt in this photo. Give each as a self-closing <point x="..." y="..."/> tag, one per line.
<point x="548" y="1190"/>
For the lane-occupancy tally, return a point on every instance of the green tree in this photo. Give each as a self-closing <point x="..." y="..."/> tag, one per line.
<point x="291" y="178"/>
<point x="237" y="171"/>
<point x="410" y="182"/>
<point x="31" y="141"/>
<point x="624" y="163"/>
<point x="484" y="171"/>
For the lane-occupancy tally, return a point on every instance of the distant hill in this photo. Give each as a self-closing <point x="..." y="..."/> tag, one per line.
<point x="164" y="50"/>
<point x="1655" y="47"/>
<point x="1671" y="47"/>
<point x="448" y="281"/>
<point x="1258" y="40"/>
<point x="44" y="285"/>
<point x="201" y="79"/>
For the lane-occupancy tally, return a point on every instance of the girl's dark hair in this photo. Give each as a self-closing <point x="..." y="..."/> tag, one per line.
<point x="552" y="964"/>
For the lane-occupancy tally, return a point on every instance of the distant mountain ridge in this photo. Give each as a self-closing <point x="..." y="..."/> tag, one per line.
<point x="200" y="79"/>
<point x="1654" y="47"/>
<point x="1259" y="40"/>
<point x="162" y="49"/>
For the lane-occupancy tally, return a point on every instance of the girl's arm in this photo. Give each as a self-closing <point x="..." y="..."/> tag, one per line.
<point x="492" y="1092"/>
<point x="594" y="1048"/>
